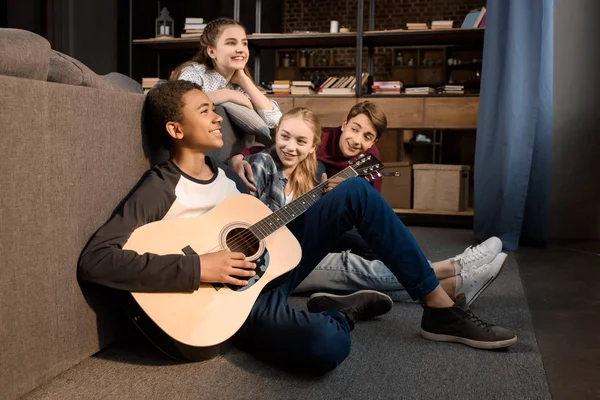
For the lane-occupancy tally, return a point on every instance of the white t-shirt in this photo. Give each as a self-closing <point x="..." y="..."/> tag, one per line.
<point x="289" y="198"/>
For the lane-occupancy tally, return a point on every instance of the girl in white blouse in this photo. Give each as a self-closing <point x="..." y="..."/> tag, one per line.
<point x="220" y="70"/>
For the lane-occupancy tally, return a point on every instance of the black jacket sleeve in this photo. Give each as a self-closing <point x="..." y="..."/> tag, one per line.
<point x="104" y="261"/>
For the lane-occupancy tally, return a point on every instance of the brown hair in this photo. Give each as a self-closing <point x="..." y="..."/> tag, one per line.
<point x="371" y="111"/>
<point x="209" y="38"/>
<point x="302" y="179"/>
<point x="163" y="104"/>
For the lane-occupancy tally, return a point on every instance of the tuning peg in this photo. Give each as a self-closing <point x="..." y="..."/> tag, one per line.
<point x="350" y="162"/>
<point x="378" y="174"/>
<point x="361" y="156"/>
<point x="372" y="177"/>
<point x="366" y="178"/>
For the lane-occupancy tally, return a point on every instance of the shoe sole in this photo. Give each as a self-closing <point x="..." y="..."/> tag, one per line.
<point x="482" y="289"/>
<point x="384" y="305"/>
<point x="469" y="342"/>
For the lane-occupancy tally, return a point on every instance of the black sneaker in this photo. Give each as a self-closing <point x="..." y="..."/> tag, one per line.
<point x="459" y="324"/>
<point x="361" y="305"/>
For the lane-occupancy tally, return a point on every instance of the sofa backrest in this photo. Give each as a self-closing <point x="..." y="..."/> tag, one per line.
<point x="70" y="154"/>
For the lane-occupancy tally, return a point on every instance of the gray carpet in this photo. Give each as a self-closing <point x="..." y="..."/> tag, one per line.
<point x="389" y="360"/>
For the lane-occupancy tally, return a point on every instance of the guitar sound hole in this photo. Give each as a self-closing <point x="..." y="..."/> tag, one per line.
<point x="242" y="240"/>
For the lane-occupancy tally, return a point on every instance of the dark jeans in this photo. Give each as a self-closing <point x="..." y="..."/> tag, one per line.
<point x="317" y="343"/>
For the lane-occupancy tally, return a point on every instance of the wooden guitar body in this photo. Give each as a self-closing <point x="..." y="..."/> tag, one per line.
<point x="207" y="317"/>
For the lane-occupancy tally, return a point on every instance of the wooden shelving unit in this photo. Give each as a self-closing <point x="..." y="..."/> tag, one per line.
<point x="428" y="112"/>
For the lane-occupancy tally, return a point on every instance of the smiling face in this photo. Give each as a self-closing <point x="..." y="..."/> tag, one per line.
<point x="294" y="141"/>
<point x="230" y="52"/>
<point x="199" y="127"/>
<point x="358" y="135"/>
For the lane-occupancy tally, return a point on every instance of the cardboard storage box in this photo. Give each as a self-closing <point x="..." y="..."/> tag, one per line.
<point x="396" y="185"/>
<point x="441" y="187"/>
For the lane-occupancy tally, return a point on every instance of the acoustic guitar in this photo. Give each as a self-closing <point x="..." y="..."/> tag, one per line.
<point x="195" y="326"/>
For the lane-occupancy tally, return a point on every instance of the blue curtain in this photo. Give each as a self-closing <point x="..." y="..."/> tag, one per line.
<point x="514" y="128"/>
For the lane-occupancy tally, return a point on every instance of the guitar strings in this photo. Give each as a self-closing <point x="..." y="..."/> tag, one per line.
<point x="248" y="236"/>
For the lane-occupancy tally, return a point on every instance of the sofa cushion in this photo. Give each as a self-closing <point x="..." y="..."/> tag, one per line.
<point x="24" y="54"/>
<point x="124" y="82"/>
<point x="65" y="69"/>
<point x="247" y="120"/>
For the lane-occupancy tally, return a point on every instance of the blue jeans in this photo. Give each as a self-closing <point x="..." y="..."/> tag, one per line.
<point x="317" y="343"/>
<point x="346" y="272"/>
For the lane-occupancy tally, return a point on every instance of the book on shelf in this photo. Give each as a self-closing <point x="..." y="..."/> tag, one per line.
<point x="442" y="24"/>
<point x="387" y="87"/>
<point x="420" y="90"/>
<point x="149" y="82"/>
<point x="194" y="26"/>
<point x="191" y="35"/>
<point x="303" y="84"/>
<point x="192" y="20"/>
<point x="451" y="87"/>
<point x="416" y="26"/>
<point x="475" y="19"/>
<point x="302" y="90"/>
<point x="337" y="91"/>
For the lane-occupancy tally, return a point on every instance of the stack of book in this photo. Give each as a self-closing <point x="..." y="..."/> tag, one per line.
<point x="451" y="89"/>
<point x="149" y="83"/>
<point x="475" y="19"/>
<point x="193" y="28"/>
<point x="441" y="24"/>
<point x="335" y="85"/>
<point x="344" y="85"/>
<point x="416" y="26"/>
<point x="387" y="87"/>
<point x="420" y="90"/>
<point x="281" y="87"/>
<point x="302" y="88"/>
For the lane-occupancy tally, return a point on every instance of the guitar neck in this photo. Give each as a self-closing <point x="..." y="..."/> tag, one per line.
<point x="293" y="210"/>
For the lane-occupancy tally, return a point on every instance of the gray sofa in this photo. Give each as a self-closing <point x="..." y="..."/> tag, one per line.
<point x="72" y="148"/>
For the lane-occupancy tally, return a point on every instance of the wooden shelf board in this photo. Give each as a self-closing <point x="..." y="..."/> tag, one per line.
<point x="327" y="40"/>
<point x="423" y="37"/>
<point x="303" y="40"/>
<point x="467" y="213"/>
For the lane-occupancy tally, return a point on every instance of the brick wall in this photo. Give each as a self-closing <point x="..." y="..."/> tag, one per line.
<point x="314" y="15"/>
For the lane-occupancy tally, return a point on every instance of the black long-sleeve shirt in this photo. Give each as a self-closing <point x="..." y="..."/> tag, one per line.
<point x="164" y="192"/>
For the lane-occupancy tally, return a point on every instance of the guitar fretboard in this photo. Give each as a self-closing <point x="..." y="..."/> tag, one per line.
<point x="293" y="210"/>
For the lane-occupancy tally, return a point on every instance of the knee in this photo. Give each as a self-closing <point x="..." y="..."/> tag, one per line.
<point x="326" y="351"/>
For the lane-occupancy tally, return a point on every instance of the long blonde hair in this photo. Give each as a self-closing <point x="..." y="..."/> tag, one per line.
<point x="302" y="178"/>
<point x="209" y="38"/>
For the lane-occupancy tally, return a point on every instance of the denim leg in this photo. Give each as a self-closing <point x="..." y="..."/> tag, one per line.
<point x="347" y="272"/>
<point x="355" y="203"/>
<point x="275" y="332"/>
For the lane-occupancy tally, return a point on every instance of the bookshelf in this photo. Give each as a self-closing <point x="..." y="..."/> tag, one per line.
<point x="451" y="112"/>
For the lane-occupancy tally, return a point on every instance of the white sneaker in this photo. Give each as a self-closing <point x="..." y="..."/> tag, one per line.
<point x="477" y="279"/>
<point x="480" y="254"/>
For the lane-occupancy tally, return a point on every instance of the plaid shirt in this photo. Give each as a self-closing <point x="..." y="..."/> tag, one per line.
<point x="210" y="80"/>
<point x="268" y="178"/>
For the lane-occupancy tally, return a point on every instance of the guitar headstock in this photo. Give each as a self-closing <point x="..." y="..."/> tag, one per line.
<point x="367" y="166"/>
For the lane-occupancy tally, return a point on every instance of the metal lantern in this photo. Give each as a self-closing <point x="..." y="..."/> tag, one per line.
<point x="164" y="24"/>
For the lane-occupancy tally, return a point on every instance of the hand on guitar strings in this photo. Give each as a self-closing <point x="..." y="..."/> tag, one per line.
<point x="333" y="182"/>
<point x="225" y="267"/>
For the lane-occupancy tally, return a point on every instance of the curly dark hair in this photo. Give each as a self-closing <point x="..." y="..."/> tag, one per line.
<point x="164" y="103"/>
